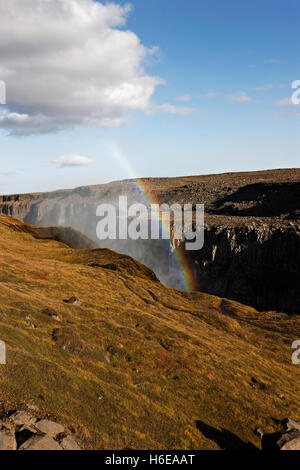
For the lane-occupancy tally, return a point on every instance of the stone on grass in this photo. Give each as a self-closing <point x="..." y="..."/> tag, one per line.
<point x="7" y="440"/>
<point x="294" y="444"/>
<point x="49" y="427"/>
<point x="19" y="430"/>
<point x="68" y="443"/>
<point x="73" y="301"/>
<point x="40" y="443"/>
<point x="30" y="406"/>
<point x="31" y="428"/>
<point x="21" y="418"/>
<point x="290" y="424"/>
<point x="281" y="441"/>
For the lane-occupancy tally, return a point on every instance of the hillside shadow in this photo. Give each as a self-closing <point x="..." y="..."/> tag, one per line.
<point x="260" y="200"/>
<point x="225" y="439"/>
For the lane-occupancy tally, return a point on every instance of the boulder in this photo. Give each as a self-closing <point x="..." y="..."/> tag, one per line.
<point x="281" y="441"/>
<point x="7" y="440"/>
<point x="51" y="313"/>
<point x="22" y="431"/>
<point x="49" y="427"/>
<point x="290" y="424"/>
<point x="32" y="407"/>
<point x="68" y="443"/>
<point x="21" y="418"/>
<point x="40" y="443"/>
<point x="30" y="428"/>
<point x="73" y="301"/>
<point x="294" y="444"/>
<point x="287" y="437"/>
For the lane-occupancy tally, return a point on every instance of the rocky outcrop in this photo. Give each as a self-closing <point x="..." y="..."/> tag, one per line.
<point x="255" y="263"/>
<point x="20" y="430"/>
<point x="289" y="439"/>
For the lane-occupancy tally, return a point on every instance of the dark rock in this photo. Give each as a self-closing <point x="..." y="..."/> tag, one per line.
<point x="290" y="424"/>
<point x="73" y="301"/>
<point x="50" y="312"/>
<point x="281" y="441"/>
<point x="21" y="418"/>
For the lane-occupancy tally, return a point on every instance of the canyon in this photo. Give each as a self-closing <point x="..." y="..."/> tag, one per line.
<point x="252" y="231"/>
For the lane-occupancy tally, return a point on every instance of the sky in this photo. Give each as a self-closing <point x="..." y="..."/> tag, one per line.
<point x="102" y="91"/>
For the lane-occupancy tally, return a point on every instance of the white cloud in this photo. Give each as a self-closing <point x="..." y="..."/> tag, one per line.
<point x="72" y="160"/>
<point x="263" y="88"/>
<point x="186" y="98"/>
<point x="68" y="63"/>
<point x="240" y="97"/>
<point x="290" y="112"/>
<point x="273" y="61"/>
<point x="208" y="96"/>
<point x="252" y="66"/>
<point x="182" y="111"/>
<point x="211" y="95"/>
<point x="270" y="87"/>
<point x="284" y="102"/>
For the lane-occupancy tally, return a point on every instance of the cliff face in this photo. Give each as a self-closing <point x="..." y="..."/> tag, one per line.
<point x="251" y="249"/>
<point x="256" y="264"/>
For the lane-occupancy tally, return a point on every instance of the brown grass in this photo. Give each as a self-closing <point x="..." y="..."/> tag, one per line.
<point x="137" y="364"/>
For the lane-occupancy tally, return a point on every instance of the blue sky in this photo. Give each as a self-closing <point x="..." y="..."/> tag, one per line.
<point x="227" y="69"/>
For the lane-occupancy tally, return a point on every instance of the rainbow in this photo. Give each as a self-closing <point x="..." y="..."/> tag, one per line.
<point x="180" y="261"/>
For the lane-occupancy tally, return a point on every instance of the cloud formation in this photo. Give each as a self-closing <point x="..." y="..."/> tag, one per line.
<point x="186" y="98"/>
<point x="210" y="95"/>
<point x="284" y="102"/>
<point x="68" y="63"/>
<point x="240" y="97"/>
<point x="291" y="112"/>
<point x="65" y="161"/>
<point x="273" y="61"/>
<point x="182" y="111"/>
<point x="270" y="87"/>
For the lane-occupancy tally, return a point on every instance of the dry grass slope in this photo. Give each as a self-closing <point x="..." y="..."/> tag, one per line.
<point x="137" y="365"/>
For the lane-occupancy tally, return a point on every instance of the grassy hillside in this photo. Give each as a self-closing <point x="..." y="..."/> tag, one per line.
<point x="137" y="365"/>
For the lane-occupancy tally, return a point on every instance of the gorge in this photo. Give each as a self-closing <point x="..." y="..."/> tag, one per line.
<point x="252" y="244"/>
